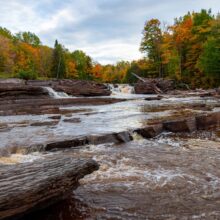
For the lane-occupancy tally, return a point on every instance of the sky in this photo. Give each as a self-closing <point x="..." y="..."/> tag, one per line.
<point x="107" y="30"/>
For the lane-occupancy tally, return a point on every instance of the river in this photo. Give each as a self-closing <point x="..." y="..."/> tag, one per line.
<point x="167" y="177"/>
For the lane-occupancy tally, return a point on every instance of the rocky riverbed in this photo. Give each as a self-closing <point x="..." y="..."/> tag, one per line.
<point x="158" y="156"/>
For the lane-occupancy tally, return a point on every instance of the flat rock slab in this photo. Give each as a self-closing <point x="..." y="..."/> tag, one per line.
<point x="48" y="106"/>
<point x="31" y="186"/>
<point x="72" y="120"/>
<point x="74" y="87"/>
<point x="116" y="138"/>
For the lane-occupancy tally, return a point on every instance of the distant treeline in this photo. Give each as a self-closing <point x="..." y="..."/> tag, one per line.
<point x="188" y="52"/>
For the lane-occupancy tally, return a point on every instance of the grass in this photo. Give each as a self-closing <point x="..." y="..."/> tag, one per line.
<point x="14" y="75"/>
<point x="6" y="75"/>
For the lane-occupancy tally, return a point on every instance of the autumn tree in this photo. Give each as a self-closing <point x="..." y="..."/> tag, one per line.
<point x="6" y="33"/>
<point x="83" y="64"/>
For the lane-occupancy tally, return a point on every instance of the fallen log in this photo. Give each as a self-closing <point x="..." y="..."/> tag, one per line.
<point x="31" y="186"/>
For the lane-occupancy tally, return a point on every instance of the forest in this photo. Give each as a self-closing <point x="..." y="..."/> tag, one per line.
<point x="188" y="51"/>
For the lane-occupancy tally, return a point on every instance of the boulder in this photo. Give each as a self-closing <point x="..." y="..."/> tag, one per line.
<point x="116" y="138"/>
<point x="207" y="121"/>
<point x="153" y="86"/>
<point x="150" y="131"/>
<point x="180" y="125"/>
<point x="146" y="88"/>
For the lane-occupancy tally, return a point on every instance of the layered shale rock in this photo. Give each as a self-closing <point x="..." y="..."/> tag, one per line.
<point x="19" y="91"/>
<point x="31" y="186"/>
<point x="74" y="87"/>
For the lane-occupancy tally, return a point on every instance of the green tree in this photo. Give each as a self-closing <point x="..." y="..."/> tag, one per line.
<point x="209" y="61"/>
<point x="83" y="64"/>
<point x="5" y="33"/>
<point x="151" y="44"/>
<point x="58" y="61"/>
<point x="29" y="38"/>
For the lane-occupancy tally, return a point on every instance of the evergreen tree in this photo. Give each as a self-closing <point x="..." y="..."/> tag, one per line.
<point x="151" y="44"/>
<point x="58" y="63"/>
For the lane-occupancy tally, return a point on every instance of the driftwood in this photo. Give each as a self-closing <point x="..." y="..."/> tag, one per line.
<point x="31" y="186"/>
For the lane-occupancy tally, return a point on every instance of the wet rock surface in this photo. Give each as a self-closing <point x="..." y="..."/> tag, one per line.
<point x="31" y="186"/>
<point x="181" y="125"/>
<point x="47" y="106"/>
<point x="150" y="131"/>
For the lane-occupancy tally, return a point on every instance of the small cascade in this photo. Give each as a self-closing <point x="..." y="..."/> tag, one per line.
<point x="55" y="94"/>
<point x="121" y="88"/>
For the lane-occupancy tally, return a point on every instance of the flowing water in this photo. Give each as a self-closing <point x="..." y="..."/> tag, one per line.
<point x="167" y="177"/>
<point x="56" y="95"/>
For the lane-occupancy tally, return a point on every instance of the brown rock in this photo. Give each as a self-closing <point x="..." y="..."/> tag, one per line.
<point x="48" y="106"/>
<point x="14" y="91"/>
<point x="45" y="123"/>
<point x="211" y="120"/>
<point x="80" y="141"/>
<point x="28" y="187"/>
<point x="153" y="86"/>
<point x="4" y="127"/>
<point x="116" y="138"/>
<point x="150" y="131"/>
<point x="153" y="98"/>
<point x="56" y="117"/>
<point x="72" y="120"/>
<point x="181" y="125"/>
<point x="74" y="87"/>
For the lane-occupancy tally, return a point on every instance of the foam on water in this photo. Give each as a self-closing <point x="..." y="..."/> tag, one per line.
<point x="55" y="94"/>
<point x="20" y="158"/>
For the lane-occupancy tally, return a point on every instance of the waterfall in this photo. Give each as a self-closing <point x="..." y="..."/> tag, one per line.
<point x="56" y="95"/>
<point x="121" y="88"/>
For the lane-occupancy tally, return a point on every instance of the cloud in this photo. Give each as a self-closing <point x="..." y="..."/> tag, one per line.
<point x="108" y="31"/>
